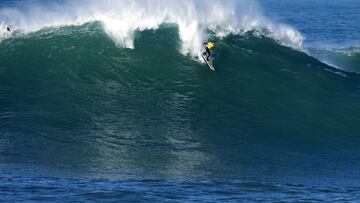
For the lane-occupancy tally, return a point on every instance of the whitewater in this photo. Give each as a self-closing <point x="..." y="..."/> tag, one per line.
<point x="121" y="19"/>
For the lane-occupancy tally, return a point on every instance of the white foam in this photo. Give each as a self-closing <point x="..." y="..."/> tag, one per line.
<point x="122" y="18"/>
<point x="4" y="33"/>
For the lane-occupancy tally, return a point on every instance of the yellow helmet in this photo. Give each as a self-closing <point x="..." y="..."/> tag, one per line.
<point x="210" y="45"/>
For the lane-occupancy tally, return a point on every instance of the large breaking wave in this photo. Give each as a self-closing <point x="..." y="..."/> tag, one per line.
<point x="73" y="101"/>
<point x="109" y="90"/>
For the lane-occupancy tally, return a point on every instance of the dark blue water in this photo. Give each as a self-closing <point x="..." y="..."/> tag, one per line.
<point x="331" y="28"/>
<point x="84" y="120"/>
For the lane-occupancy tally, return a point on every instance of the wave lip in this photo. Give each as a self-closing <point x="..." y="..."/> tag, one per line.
<point x="121" y="19"/>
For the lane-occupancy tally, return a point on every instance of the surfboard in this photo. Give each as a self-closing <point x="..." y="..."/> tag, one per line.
<point x="209" y="63"/>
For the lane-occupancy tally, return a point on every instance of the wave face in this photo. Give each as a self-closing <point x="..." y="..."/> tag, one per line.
<point x="82" y="110"/>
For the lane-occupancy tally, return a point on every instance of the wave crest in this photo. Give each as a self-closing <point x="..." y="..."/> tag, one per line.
<point x="121" y="19"/>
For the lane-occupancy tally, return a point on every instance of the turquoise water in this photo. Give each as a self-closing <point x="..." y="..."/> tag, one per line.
<point x="83" y="119"/>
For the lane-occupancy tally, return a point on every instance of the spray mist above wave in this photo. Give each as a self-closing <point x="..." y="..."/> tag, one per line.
<point x="121" y="19"/>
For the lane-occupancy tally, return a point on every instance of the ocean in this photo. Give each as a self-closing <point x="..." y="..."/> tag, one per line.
<point x="109" y="101"/>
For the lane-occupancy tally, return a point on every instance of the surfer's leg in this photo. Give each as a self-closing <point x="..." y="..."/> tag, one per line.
<point x="208" y="53"/>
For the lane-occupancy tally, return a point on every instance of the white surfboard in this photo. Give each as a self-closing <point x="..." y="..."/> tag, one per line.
<point x="209" y="63"/>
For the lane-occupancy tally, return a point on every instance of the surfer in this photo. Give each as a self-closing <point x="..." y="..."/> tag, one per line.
<point x="208" y="47"/>
<point x="8" y="28"/>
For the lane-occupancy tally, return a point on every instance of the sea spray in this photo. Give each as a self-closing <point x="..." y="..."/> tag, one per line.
<point x="121" y="19"/>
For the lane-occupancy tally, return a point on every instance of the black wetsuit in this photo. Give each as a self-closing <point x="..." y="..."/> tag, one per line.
<point x="8" y="28"/>
<point x="207" y="52"/>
